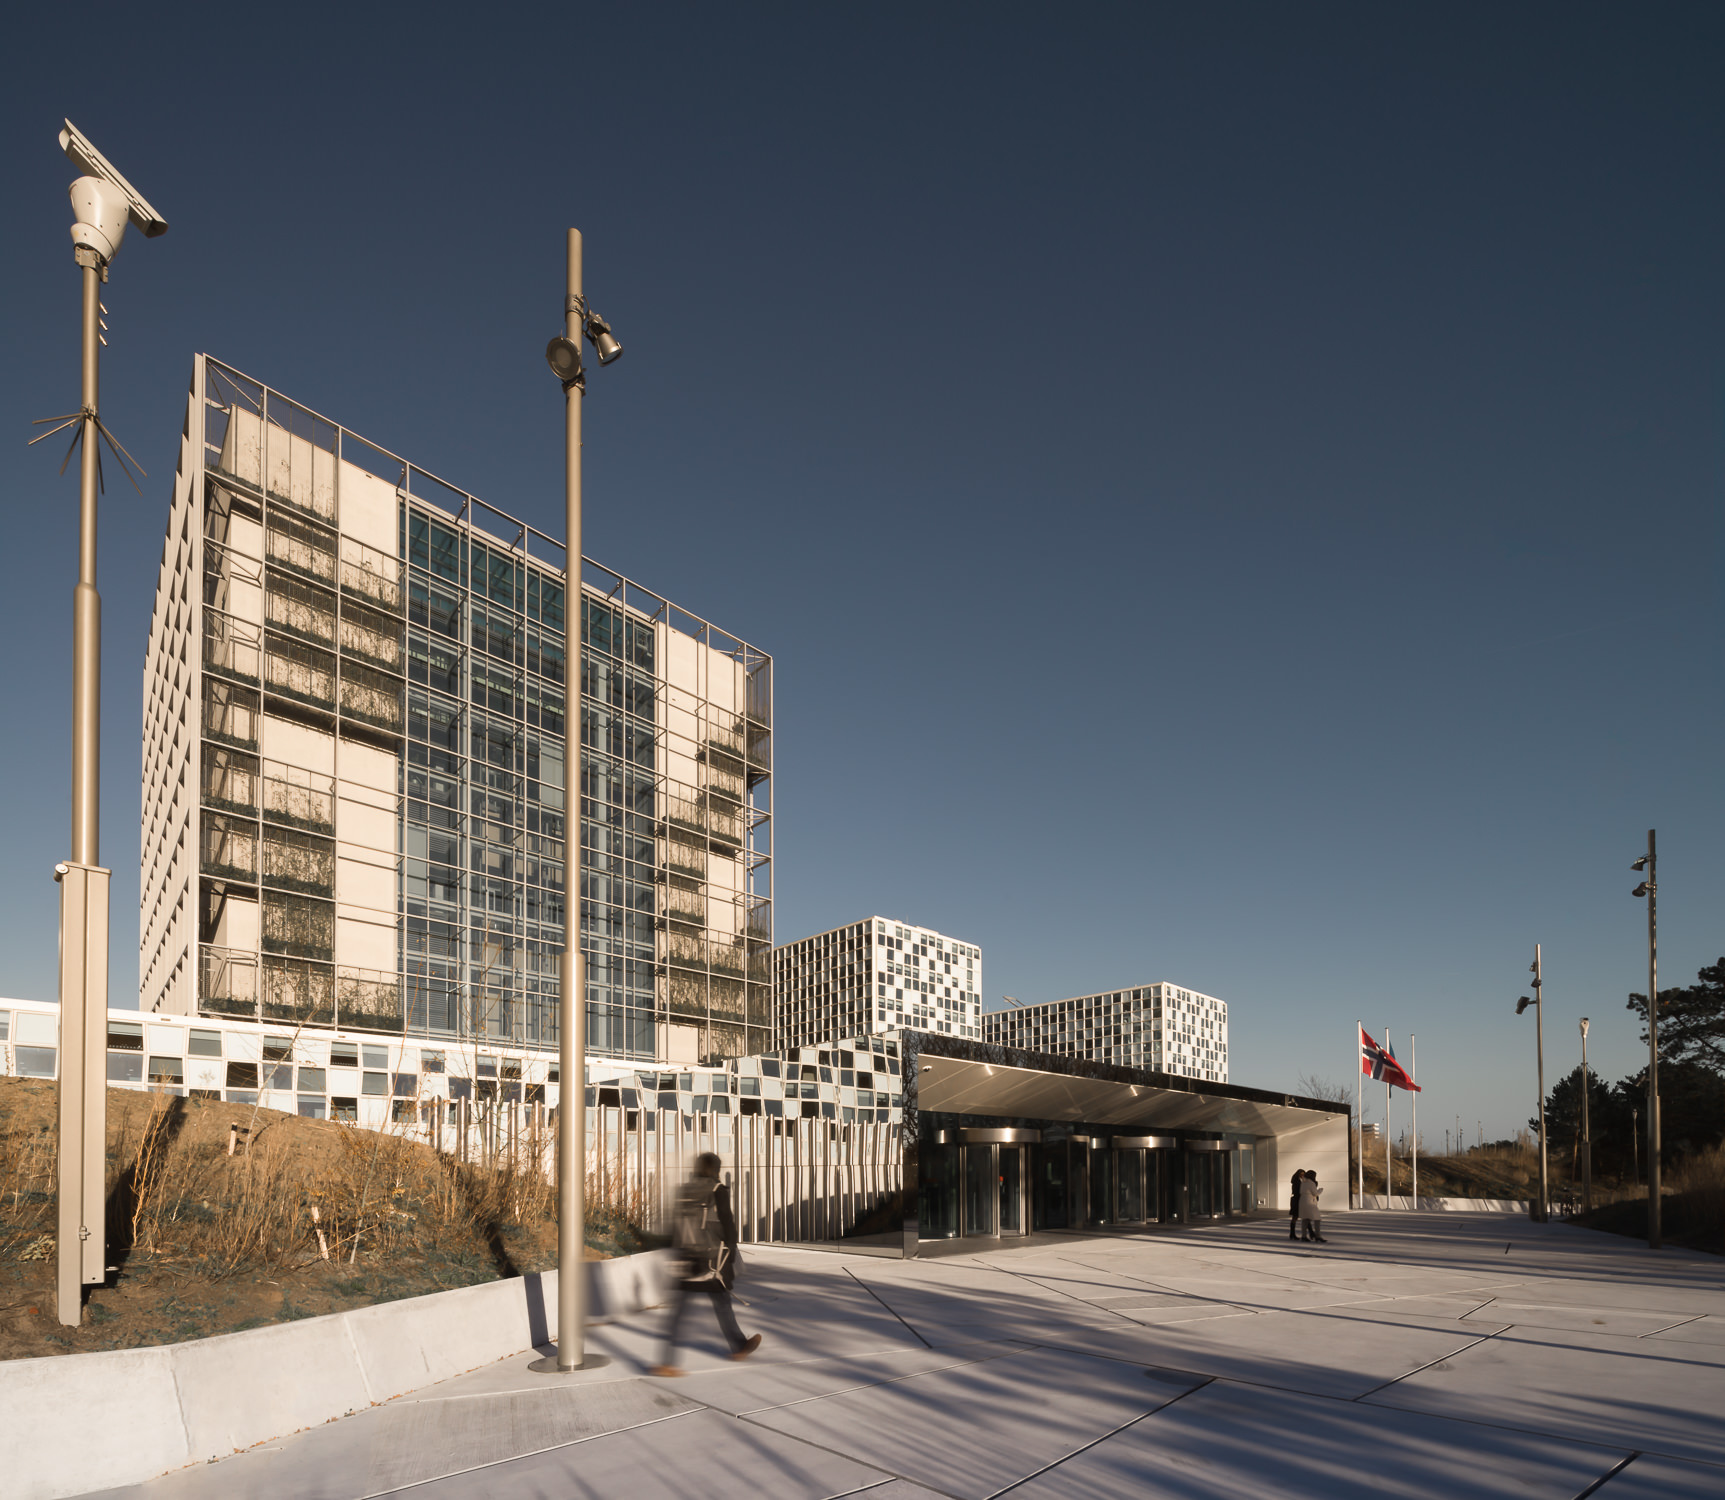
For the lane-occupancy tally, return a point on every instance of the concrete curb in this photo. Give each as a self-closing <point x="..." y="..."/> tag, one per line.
<point x="82" y="1422"/>
<point x="1447" y="1205"/>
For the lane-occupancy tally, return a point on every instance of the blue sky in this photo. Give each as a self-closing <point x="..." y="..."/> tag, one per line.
<point x="1232" y="493"/>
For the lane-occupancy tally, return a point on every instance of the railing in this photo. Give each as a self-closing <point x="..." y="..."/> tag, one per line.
<point x="372" y="574"/>
<point x="303" y="799"/>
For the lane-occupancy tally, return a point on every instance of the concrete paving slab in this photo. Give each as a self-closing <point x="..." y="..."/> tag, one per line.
<point x="892" y="1489"/>
<point x="972" y="1430"/>
<point x="704" y="1454"/>
<point x="1633" y="1393"/>
<point x="1326" y="1354"/>
<point x="1623" y="1322"/>
<point x="1229" y="1442"/>
<point x="1703" y="1330"/>
<point x="410" y="1441"/>
<point x="753" y="1388"/>
<point x="1650" y="1477"/>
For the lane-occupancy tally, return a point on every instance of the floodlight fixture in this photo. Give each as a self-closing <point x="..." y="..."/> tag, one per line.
<point x="1523" y="1003"/>
<point x="1640" y="864"/>
<point x="1640" y="890"/>
<point x="598" y="333"/>
<point x="564" y="357"/>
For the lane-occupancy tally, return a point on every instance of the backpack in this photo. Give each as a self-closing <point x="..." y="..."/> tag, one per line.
<point x="695" y="1235"/>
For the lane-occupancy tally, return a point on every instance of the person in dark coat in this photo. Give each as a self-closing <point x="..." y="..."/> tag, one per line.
<point x="704" y="1250"/>
<point x="1294" y="1204"/>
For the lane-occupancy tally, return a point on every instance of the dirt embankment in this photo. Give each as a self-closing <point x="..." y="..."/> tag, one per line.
<point x="311" y="1217"/>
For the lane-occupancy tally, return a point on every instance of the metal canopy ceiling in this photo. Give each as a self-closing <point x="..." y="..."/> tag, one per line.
<point x="953" y="1085"/>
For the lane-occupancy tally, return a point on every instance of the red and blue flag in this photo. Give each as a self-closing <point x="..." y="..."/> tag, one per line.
<point x="1379" y="1064"/>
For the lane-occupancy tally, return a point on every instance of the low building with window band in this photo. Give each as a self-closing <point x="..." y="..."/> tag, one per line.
<point x="872" y="977"/>
<point x="354" y="720"/>
<point x="1161" y="1027"/>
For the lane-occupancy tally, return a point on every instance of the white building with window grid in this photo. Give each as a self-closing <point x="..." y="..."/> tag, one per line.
<point x="1161" y="1027"/>
<point x="874" y="976"/>
<point x="355" y="693"/>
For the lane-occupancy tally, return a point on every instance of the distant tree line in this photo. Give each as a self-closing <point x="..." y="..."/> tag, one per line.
<point x="1691" y="1085"/>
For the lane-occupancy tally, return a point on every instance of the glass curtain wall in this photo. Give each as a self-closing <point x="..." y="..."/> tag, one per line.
<point x="483" y="821"/>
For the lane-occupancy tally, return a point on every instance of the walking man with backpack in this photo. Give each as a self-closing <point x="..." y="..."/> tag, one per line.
<point x="704" y="1259"/>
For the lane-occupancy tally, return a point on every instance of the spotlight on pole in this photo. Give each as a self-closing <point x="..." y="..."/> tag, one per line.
<point x="564" y="357"/>
<point x="598" y="333"/>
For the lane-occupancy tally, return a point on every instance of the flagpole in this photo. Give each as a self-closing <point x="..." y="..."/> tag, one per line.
<point x="1414" y="1104"/>
<point x="1389" y="1188"/>
<point x="1359" y="1111"/>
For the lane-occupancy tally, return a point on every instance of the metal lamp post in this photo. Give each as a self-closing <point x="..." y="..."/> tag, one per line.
<point x="103" y="203"/>
<point x="1586" y="1134"/>
<point x="1542" y="1211"/>
<point x="563" y="354"/>
<point x="1650" y="889"/>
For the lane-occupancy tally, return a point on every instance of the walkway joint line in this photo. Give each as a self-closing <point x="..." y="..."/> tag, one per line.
<point x="1409" y="1374"/>
<point x="1610" y="1474"/>
<point x="884" y="1303"/>
<point x="1113" y="1432"/>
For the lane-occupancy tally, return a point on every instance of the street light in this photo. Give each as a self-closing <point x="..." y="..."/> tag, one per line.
<point x="103" y="203"/>
<point x="1586" y="1135"/>
<point x="1537" y="1002"/>
<point x="1650" y="889"/>
<point x="563" y="354"/>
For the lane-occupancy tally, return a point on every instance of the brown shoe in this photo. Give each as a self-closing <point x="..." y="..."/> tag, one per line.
<point x="665" y="1372"/>
<point x="749" y="1346"/>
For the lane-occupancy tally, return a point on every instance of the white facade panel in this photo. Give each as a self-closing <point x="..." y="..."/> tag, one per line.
<point x="876" y="976"/>
<point x="1161" y="1027"/>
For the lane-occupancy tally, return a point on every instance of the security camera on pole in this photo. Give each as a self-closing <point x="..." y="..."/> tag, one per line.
<point x="563" y="354"/>
<point x="1650" y="889"/>
<point x="1537" y="1002"/>
<point x="103" y="203"/>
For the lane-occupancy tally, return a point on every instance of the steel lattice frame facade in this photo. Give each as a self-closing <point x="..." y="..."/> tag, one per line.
<point x="353" y="752"/>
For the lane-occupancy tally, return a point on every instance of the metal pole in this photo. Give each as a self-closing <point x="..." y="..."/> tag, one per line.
<point x="81" y="1242"/>
<point x="87" y="604"/>
<point x="1586" y="1133"/>
<point x="1654" y="1206"/>
<point x="1389" y="1182"/>
<point x="1414" y="1105"/>
<point x="1359" y="1112"/>
<point x="572" y="1000"/>
<point x="1539" y="1033"/>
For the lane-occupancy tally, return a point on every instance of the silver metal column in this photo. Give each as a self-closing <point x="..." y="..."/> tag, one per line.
<point x="572" y="1000"/>
<point x="82" y="1239"/>
<point x="1655" y="1227"/>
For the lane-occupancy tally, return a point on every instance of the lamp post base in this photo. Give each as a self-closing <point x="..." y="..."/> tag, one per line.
<point x="549" y="1366"/>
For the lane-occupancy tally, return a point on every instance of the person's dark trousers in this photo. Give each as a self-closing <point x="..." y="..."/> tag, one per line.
<point x="1293" y="1226"/>
<point x="721" y="1308"/>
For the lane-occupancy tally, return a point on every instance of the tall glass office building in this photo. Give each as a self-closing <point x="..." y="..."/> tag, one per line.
<point x="354" y="740"/>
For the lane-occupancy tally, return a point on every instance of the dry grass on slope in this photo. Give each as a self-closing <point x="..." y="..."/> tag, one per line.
<point x="314" y="1217"/>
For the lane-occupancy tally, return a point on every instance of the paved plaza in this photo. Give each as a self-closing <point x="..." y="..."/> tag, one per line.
<point x="1464" y="1354"/>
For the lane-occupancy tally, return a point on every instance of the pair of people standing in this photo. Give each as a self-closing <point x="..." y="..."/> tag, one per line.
<point x="1304" y="1213"/>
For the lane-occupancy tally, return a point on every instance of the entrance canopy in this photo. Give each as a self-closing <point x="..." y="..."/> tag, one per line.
<point x="963" y="1086"/>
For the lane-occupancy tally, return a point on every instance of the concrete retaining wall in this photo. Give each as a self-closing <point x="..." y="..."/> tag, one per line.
<point x="1447" y="1205"/>
<point x="80" y="1422"/>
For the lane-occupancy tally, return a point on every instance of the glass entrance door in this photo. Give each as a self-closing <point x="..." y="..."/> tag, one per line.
<point x="1012" y="1185"/>
<point x="1207" y="1180"/>
<point x="981" y="1191"/>
<point x="1052" y="1211"/>
<point x="1101" y="1186"/>
<point x="1129" y="1185"/>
